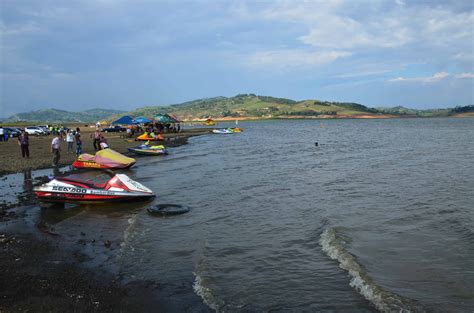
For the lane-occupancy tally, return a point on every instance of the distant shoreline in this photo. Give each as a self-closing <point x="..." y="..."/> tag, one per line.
<point x="326" y="117"/>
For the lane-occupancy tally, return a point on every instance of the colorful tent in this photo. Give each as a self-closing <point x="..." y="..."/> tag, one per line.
<point x="164" y="119"/>
<point x="125" y="120"/>
<point x="142" y="120"/>
<point x="106" y="158"/>
<point x="175" y="118"/>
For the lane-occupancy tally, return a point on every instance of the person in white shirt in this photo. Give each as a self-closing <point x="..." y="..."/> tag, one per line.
<point x="1" y="133"/>
<point x="70" y="141"/>
<point x="55" y="150"/>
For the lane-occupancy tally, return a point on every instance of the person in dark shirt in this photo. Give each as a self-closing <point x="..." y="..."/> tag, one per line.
<point x="24" y="142"/>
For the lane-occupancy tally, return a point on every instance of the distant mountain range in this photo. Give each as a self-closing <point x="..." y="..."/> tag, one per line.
<point x="55" y="115"/>
<point x="243" y="106"/>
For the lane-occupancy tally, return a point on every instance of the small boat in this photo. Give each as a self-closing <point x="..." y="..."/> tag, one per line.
<point x="236" y="130"/>
<point x="148" y="137"/>
<point x="145" y="149"/>
<point x="87" y="188"/>
<point x="103" y="159"/>
<point x="222" y="131"/>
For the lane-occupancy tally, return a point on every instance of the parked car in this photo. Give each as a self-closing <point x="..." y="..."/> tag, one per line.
<point x="115" y="129"/>
<point x="12" y="132"/>
<point x="45" y="128"/>
<point x="34" y="130"/>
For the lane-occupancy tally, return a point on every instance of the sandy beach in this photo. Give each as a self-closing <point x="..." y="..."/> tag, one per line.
<point x="42" y="271"/>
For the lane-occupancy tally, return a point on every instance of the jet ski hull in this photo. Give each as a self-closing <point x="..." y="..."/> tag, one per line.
<point x="92" y="164"/>
<point x="120" y="188"/>
<point x="88" y="198"/>
<point x="147" y="151"/>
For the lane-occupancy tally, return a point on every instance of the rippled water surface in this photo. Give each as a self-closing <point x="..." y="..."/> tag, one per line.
<point x="379" y="215"/>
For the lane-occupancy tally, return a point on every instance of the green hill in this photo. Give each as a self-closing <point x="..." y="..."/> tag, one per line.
<point x="241" y="106"/>
<point x="251" y="105"/>
<point x="55" y="116"/>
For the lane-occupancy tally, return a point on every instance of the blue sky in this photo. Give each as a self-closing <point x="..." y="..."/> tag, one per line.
<point x="77" y="55"/>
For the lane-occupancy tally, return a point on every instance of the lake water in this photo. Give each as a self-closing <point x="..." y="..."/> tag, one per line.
<point x="378" y="216"/>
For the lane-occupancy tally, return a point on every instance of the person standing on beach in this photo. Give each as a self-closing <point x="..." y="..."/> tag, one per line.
<point x="96" y="136"/>
<point x="55" y="148"/>
<point x="2" y="131"/>
<point x="24" y="142"/>
<point x="78" y="144"/>
<point x="70" y="141"/>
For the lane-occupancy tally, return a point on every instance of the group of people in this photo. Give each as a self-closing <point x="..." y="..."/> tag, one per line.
<point x="58" y="130"/>
<point x="72" y="137"/>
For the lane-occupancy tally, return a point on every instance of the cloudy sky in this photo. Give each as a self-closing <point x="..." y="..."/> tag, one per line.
<point x="78" y="55"/>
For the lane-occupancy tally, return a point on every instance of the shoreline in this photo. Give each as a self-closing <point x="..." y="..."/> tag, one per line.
<point x="47" y="267"/>
<point x="41" y="158"/>
<point x="328" y="117"/>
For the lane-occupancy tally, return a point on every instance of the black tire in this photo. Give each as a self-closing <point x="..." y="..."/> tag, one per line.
<point x="168" y="209"/>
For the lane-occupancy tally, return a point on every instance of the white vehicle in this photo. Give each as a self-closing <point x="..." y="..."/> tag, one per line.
<point x="34" y="130"/>
<point x="45" y="128"/>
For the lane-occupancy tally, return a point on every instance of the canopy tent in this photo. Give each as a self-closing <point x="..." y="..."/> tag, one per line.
<point x="173" y="117"/>
<point x="125" y="120"/>
<point x="103" y="122"/>
<point x="164" y="119"/>
<point x="142" y="120"/>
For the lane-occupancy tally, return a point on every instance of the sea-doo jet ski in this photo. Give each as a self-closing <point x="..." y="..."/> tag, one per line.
<point x="84" y="188"/>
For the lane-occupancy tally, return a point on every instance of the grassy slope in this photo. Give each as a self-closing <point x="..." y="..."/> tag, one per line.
<point x="253" y="106"/>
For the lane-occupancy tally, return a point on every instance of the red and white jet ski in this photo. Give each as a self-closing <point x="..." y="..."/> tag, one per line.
<point x="83" y="188"/>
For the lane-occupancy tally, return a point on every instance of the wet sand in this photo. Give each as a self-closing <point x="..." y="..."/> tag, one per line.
<point x="43" y="271"/>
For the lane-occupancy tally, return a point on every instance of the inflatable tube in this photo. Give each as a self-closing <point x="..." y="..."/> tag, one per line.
<point x="168" y="209"/>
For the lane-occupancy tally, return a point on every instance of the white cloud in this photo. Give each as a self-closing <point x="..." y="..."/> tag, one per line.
<point x="362" y="74"/>
<point x="400" y="2"/>
<point x="385" y="24"/>
<point x="295" y="58"/>
<point x="428" y="79"/>
<point x="465" y="75"/>
<point x="342" y="32"/>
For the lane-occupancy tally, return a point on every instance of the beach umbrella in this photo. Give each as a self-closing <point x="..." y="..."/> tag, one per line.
<point x="142" y="120"/>
<point x="125" y="120"/>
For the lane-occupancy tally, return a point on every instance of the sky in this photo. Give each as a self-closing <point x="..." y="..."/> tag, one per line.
<point x="78" y="55"/>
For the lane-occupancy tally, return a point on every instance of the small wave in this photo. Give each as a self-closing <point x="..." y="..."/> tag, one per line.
<point x="383" y="300"/>
<point x="128" y="237"/>
<point x="205" y="293"/>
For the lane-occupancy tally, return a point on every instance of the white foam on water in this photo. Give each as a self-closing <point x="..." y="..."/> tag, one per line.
<point x="128" y="236"/>
<point x="383" y="300"/>
<point x="205" y="293"/>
